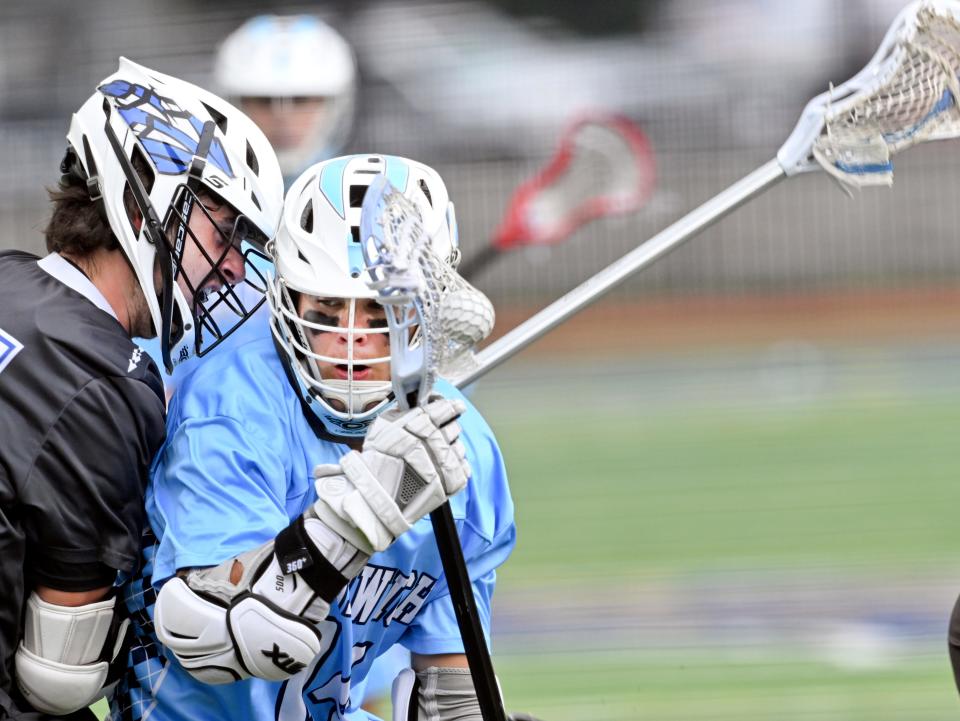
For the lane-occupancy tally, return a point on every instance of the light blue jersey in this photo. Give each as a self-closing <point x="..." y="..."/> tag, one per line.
<point x="235" y="470"/>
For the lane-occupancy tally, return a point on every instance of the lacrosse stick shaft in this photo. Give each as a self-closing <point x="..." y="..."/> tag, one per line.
<point x="475" y="264"/>
<point x="465" y="609"/>
<point x="468" y="618"/>
<point x="666" y="240"/>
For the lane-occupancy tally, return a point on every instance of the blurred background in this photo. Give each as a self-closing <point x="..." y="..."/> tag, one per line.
<point x="735" y="476"/>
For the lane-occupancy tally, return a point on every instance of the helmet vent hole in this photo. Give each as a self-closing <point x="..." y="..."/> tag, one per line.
<point x="426" y="191"/>
<point x="219" y="118"/>
<point x="306" y="220"/>
<point x="357" y="192"/>
<point x="139" y="162"/>
<point x="256" y="202"/>
<point x="252" y="160"/>
<point x="355" y="232"/>
<point x="146" y="175"/>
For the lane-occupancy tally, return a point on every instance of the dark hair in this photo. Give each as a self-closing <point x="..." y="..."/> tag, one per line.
<point x="76" y="225"/>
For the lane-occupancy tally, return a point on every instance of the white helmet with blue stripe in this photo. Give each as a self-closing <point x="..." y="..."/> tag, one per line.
<point x="296" y="77"/>
<point x="152" y="150"/>
<point x="317" y="253"/>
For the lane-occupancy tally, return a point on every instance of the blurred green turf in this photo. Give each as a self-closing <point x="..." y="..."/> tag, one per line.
<point x="101" y="709"/>
<point x="864" y="484"/>
<point x="618" y="687"/>
<point x="872" y="483"/>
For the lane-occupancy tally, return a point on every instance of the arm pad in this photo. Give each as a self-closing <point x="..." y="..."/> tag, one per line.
<point x="65" y="657"/>
<point x="270" y="620"/>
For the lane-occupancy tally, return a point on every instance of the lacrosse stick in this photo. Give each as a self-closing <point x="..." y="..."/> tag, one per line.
<point x="603" y="166"/>
<point x="907" y="94"/>
<point x="434" y="316"/>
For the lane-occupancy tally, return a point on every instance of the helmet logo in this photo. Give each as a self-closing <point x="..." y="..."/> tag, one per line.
<point x="169" y="134"/>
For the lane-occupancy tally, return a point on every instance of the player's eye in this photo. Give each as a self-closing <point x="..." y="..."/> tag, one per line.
<point x="257" y="101"/>
<point x="229" y="230"/>
<point x="319" y="318"/>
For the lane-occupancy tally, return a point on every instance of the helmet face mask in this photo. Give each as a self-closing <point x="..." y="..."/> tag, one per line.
<point x="189" y="187"/>
<point x="330" y="328"/>
<point x="214" y="252"/>
<point x="342" y="347"/>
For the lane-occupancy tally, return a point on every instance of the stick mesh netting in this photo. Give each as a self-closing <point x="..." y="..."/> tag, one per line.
<point x="430" y="299"/>
<point x="913" y="100"/>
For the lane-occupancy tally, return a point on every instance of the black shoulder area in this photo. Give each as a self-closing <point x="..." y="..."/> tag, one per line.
<point x="18" y="254"/>
<point x="65" y="337"/>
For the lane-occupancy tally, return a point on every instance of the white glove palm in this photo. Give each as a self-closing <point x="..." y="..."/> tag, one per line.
<point x="411" y="462"/>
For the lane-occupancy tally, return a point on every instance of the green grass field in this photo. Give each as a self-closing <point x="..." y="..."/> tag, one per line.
<point x="847" y="502"/>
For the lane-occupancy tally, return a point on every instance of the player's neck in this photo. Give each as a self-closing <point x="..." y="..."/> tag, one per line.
<point x="110" y="272"/>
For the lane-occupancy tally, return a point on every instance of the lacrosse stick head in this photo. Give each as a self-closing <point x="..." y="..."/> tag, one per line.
<point x="907" y="94"/>
<point x="435" y="317"/>
<point x="603" y="166"/>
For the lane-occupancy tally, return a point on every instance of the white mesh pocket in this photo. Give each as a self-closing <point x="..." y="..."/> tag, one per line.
<point x="913" y="99"/>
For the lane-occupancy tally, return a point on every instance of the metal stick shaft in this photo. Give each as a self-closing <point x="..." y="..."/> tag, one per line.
<point x="666" y="240"/>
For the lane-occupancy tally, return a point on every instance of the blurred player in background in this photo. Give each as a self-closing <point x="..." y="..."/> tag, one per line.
<point x="295" y="76"/>
<point x="162" y="183"/>
<point x="280" y="583"/>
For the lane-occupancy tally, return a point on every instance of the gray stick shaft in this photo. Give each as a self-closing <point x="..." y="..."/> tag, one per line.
<point x="643" y="255"/>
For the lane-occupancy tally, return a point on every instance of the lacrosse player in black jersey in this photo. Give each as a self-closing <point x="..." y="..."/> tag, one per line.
<point x="166" y="192"/>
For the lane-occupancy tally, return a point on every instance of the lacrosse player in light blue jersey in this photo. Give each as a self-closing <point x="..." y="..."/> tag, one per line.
<point x="290" y="497"/>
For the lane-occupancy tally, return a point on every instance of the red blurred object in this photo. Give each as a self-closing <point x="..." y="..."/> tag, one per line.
<point x="604" y="166"/>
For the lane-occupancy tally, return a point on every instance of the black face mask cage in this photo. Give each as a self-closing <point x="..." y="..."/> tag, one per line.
<point x="218" y="308"/>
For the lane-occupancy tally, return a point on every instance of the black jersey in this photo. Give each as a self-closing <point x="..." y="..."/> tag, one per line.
<point x="81" y="417"/>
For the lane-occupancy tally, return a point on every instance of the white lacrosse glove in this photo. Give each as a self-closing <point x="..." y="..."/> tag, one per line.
<point x="411" y="462"/>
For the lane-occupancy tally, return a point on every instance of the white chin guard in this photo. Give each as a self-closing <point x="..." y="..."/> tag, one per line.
<point x="356" y="396"/>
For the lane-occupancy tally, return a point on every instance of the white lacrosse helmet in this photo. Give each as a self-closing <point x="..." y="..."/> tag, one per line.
<point x="279" y="69"/>
<point x="317" y="252"/>
<point x="190" y="141"/>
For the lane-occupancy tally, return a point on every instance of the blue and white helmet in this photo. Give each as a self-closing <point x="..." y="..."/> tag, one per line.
<point x="295" y="69"/>
<point x="317" y="252"/>
<point x="187" y="140"/>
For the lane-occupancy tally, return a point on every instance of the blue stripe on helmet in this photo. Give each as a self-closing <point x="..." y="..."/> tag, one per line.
<point x="331" y="184"/>
<point x="397" y="172"/>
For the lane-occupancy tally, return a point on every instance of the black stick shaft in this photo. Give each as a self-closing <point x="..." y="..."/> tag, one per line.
<point x="468" y="619"/>
<point x="476" y="264"/>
